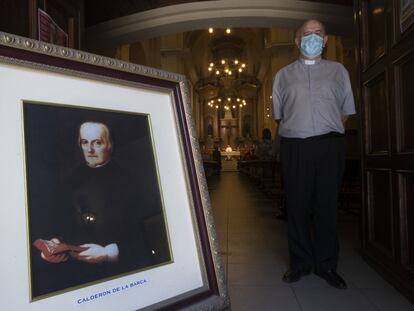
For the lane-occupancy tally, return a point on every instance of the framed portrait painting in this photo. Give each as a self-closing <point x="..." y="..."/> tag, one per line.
<point x="103" y="198"/>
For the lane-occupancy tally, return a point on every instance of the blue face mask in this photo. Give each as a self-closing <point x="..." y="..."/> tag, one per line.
<point x="311" y="45"/>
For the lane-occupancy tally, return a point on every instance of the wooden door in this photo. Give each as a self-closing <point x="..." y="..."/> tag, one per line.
<point x="385" y="40"/>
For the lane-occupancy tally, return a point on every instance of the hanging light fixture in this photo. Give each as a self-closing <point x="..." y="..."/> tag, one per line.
<point x="227" y="103"/>
<point x="226" y="67"/>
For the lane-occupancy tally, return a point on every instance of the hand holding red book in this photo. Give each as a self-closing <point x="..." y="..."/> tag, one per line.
<point x="55" y="252"/>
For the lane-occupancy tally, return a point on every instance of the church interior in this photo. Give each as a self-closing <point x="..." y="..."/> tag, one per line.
<point x="229" y="52"/>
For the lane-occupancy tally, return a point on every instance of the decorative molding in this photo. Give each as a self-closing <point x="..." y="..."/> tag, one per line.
<point x="211" y="229"/>
<point x="35" y="46"/>
<point x="224" y="13"/>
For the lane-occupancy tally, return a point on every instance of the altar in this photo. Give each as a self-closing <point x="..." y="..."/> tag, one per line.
<point x="230" y="154"/>
<point x="230" y="164"/>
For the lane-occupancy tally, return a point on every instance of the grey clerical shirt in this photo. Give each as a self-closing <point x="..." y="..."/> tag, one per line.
<point x="310" y="98"/>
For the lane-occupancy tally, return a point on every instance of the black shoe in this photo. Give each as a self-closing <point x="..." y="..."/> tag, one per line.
<point x="333" y="278"/>
<point x="292" y="276"/>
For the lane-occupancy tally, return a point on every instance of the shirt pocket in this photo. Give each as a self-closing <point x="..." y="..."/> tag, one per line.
<point x="328" y="91"/>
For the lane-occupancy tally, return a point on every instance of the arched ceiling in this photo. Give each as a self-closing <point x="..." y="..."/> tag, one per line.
<point x="99" y="11"/>
<point x="191" y="16"/>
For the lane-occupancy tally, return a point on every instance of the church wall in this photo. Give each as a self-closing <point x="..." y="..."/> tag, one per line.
<point x="187" y="54"/>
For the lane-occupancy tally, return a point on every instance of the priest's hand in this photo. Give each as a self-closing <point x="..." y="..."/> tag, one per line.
<point x="55" y="258"/>
<point x="96" y="253"/>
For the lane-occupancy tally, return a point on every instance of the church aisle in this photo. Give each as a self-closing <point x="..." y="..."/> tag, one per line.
<point x="253" y="245"/>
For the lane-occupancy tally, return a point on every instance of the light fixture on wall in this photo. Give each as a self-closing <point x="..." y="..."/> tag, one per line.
<point x="268" y="112"/>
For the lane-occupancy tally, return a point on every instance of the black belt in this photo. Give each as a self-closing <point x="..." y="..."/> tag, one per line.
<point x="317" y="137"/>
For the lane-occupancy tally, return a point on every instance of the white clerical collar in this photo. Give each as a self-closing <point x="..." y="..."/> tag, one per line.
<point x="308" y="62"/>
<point x="100" y="165"/>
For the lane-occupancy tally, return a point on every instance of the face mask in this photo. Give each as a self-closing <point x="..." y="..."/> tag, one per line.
<point x="311" y="45"/>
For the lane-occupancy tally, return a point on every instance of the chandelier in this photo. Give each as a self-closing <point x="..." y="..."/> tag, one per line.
<point x="226" y="67"/>
<point x="227" y="103"/>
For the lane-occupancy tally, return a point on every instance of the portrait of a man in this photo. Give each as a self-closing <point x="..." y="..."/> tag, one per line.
<point x="94" y="200"/>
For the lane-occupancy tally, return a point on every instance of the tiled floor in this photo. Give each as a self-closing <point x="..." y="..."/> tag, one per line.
<point x="253" y="245"/>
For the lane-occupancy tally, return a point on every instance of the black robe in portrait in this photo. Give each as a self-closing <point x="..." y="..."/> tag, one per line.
<point x="103" y="205"/>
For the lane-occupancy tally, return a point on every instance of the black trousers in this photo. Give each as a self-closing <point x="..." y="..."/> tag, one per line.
<point x="312" y="170"/>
